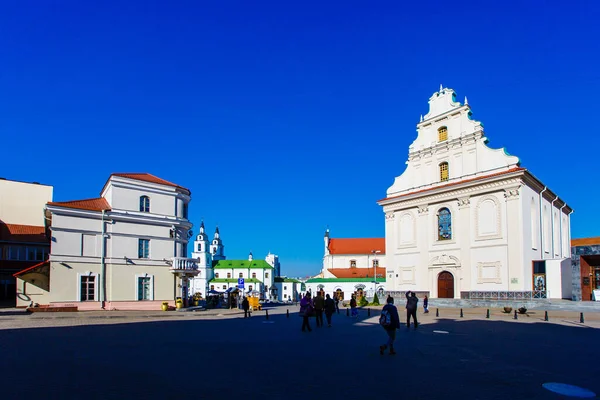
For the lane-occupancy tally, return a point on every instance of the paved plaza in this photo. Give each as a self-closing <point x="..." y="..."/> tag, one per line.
<point x="218" y="354"/>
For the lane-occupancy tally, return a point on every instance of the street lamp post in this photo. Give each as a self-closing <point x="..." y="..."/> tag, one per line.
<point x="375" y="252"/>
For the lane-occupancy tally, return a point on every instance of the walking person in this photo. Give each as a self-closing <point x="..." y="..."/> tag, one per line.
<point x="426" y="305"/>
<point x="390" y="321"/>
<point x="319" y="304"/>
<point x="306" y="309"/>
<point x="329" y="309"/>
<point x="246" y="307"/>
<point x="412" y="302"/>
<point x="336" y="298"/>
<point x="353" y="309"/>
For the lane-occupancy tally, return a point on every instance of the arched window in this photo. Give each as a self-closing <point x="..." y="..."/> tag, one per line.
<point x="145" y="204"/>
<point x="199" y="246"/>
<point x="442" y="134"/>
<point x="444" y="224"/>
<point x="444" y="173"/>
<point x="352" y="263"/>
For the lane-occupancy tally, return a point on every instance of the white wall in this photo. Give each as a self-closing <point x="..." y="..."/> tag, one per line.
<point x="23" y="203"/>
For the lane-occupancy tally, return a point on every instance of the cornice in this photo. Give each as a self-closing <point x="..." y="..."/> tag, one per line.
<point x="457" y="192"/>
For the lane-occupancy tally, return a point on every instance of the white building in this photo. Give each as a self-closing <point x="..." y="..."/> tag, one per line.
<point x="288" y="289"/>
<point x="124" y="250"/>
<point x="465" y="219"/>
<point x="350" y="266"/>
<point x="217" y="273"/>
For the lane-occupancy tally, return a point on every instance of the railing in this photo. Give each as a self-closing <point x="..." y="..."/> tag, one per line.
<point x="499" y="295"/>
<point x="183" y="264"/>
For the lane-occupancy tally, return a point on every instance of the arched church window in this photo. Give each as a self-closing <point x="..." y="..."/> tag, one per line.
<point x="444" y="171"/>
<point x="145" y="204"/>
<point x="199" y="246"/>
<point x="442" y="134"/>
<point x="444" y="224"/>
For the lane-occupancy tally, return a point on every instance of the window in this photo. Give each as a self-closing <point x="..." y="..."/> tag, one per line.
<point x="229" y="275"/>
<point x="212" y="287"/>
<point x="143" y="248"/>
<point x="199" y="246"/>
<point x="16" y="253"/>
<point x="444" y="171"/>
<point x="375" y="263"/>
<point x="444" y="224"/>
<point x="144" y="288"/>
<point x="442" y="134"/>
<point x="285" y="296"/>
<point x="185" y="210"/>
<point x="224" y="287"/>
<point x="145" y="204"/>
<point x="241" y="275"/>
<point x="352" y="263"/>
<point x="254" y="274"/>
<point x="266" y="274"/>
<point x="217" y="275"/>
<point x="250" y="288"/>
<point x="88" y="288"/>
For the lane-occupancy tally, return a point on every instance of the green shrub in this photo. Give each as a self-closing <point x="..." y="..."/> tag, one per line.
<point x="363" y="302"/>
<point x="375" y="300"/>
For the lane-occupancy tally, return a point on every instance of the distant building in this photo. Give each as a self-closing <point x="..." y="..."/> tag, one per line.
<point x="24" y="239"/>
<point x="288" y="289"/>
<point x="123" y="250"/>
<point x="218" y="274"/>
<point x="466" y="220"/>
<point x="350" y="266"/>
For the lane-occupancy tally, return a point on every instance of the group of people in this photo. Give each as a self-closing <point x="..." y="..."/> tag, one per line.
<point x="317" y="307"/>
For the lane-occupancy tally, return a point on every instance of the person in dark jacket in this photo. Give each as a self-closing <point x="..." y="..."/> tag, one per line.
<point x="353" y="310"/>
<point x="425" y="305"/>
<point x="246" y="307"/>
<point x="391" y="328"/>
<point x="306" y="309"/>
<point x="412" y="302"/>
<point x="329" y="309"/>
<point x="319" y="304"/>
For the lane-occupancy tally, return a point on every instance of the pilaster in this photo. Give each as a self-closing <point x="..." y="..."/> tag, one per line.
<point x="464" y="238"/>
<point x="514" y="239"/>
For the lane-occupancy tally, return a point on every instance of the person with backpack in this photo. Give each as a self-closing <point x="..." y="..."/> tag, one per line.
<point x="390" y="321"/>
<point x="306" y="310"/>
<point x="412" y="302"/>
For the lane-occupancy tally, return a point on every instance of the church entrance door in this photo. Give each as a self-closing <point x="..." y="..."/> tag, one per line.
<point x="445" y="285"/>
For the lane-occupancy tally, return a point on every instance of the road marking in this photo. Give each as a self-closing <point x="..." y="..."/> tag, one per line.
<point x="569" y="390"/>
<point x="440" y="331"/>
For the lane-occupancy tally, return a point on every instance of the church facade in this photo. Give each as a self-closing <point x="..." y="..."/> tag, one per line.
<point x="466" y="220"/>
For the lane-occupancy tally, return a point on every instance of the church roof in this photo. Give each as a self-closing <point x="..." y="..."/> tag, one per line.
<point x="241" y="264"/>
<point x="356" y="245"/>
<point x="585" y="241"/>
<point x="357" y="272"/>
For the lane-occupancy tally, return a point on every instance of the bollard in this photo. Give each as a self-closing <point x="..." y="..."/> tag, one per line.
<point x="546" y="316"/>
<point x="581" y="318"/>
<point x="487" y="315"/>
<point x="515" y="317"/>
<point x="287" y="313"/>
<point x="437" y="312"/>
<point x="369" y="312"/>
<point x="461" y="313"/>
<point x="347" y="312"/>
<point x="267" y="314"/>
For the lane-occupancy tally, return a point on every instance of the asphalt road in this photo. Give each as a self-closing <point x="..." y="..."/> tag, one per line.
<point x="228" y="356"/>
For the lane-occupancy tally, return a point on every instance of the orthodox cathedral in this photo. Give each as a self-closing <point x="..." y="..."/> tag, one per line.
<point x="217" y="274"/>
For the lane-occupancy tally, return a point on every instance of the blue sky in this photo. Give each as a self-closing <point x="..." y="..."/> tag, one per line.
<point x="285" y="118"/>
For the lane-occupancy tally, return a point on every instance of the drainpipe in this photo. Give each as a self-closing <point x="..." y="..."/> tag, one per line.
<point x="103" y="261"/>
<point x="552" y="225"/>
<point x="562" y="237"/>
<point x="542" y="224"/>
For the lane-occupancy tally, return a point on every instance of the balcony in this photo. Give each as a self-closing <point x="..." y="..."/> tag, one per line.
<point x="184" y="266"/>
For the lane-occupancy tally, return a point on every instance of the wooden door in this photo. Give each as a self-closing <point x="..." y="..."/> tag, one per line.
<point x="445" y="285"/>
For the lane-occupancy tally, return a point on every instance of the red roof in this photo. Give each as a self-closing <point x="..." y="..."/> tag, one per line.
<point x="357" y="272"/>
<point x="97" y="204"/>
<point x="585" y="241"/>
<point x="30" y="268"/>
<point x="515" y="169"/>
<point x="22" y="233"/>
<point x="356" y="246"/>
<point x="148" y="178"/>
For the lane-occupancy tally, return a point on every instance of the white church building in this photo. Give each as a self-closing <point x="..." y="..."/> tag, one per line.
<point x="217" y="274"/>
<point x="465" y="220"/>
